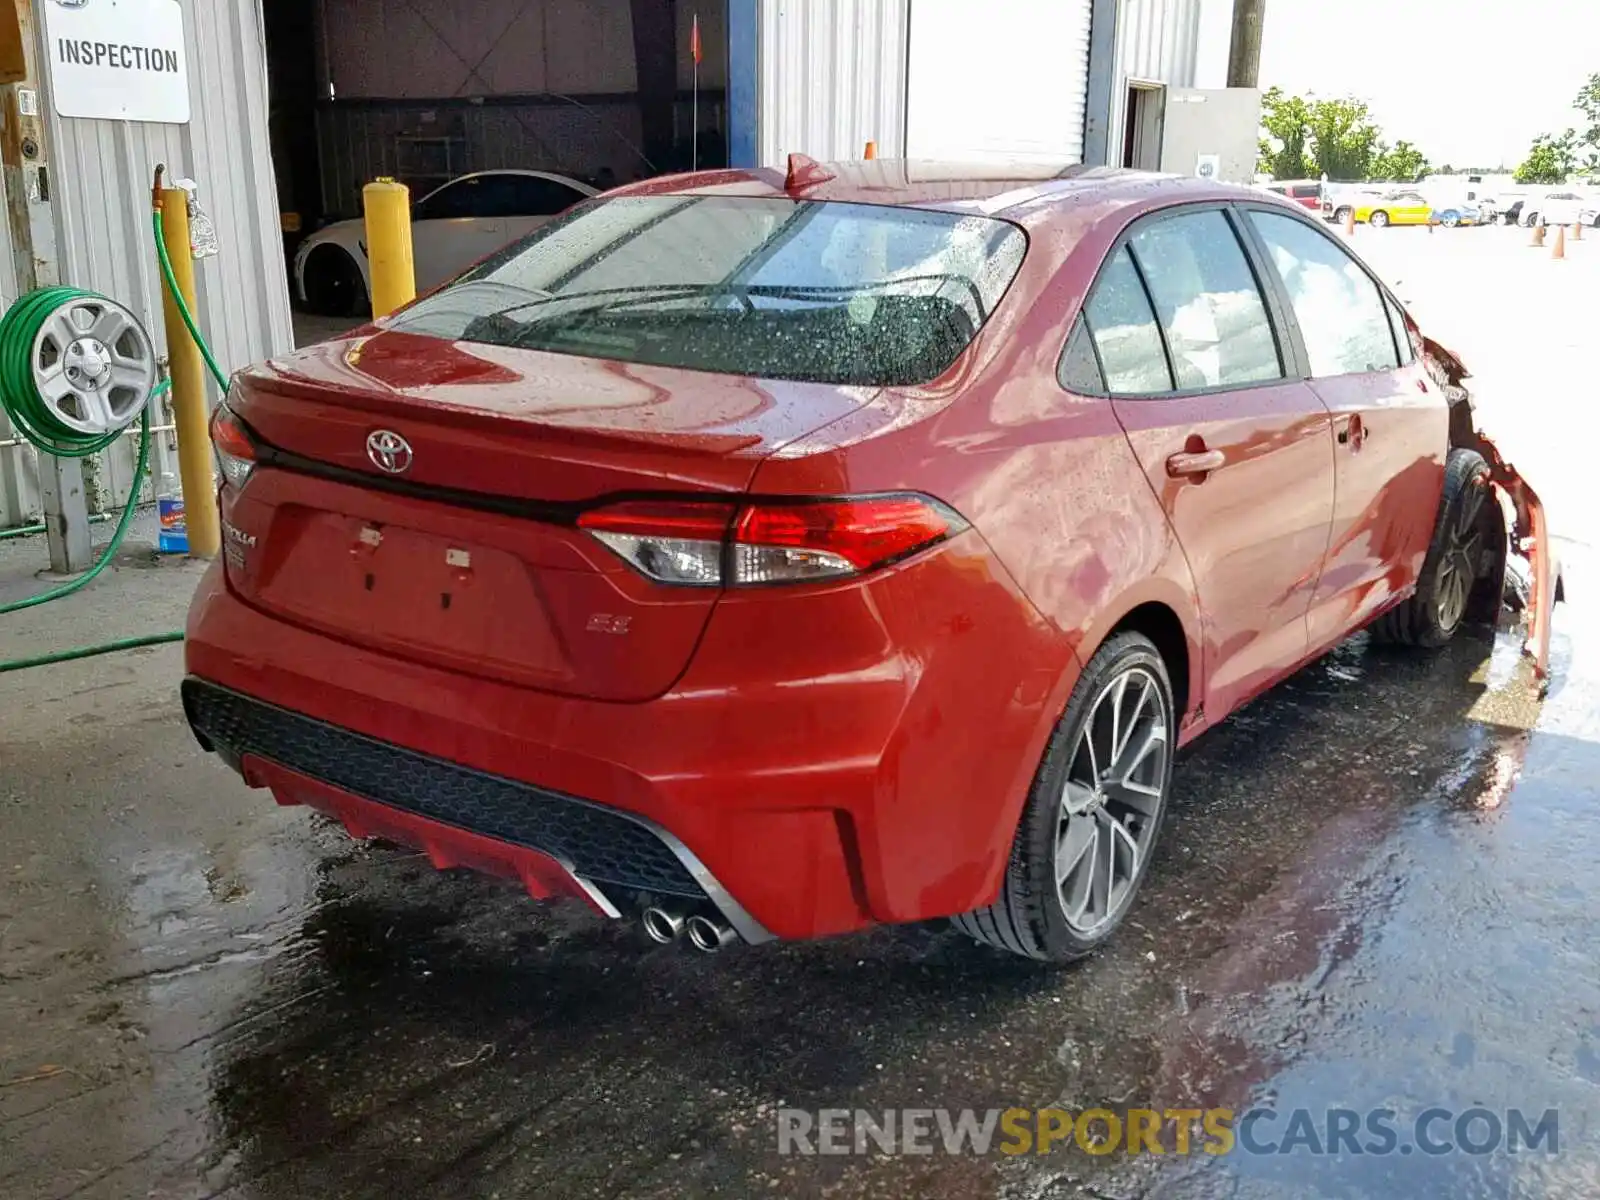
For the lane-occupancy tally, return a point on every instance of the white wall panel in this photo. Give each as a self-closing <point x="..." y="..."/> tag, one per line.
<point x="833" y="77"/>
<point x="1009" y="84"/>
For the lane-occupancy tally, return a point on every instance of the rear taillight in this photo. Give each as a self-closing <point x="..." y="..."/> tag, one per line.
<point x="717" y="544"/>
<point x="236" y="453"/>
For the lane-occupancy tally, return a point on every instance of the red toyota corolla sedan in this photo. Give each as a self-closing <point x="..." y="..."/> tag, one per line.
<point x="773" y="555"/>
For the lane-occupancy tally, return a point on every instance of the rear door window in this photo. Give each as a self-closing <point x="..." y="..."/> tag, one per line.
<point x="1125" y="333"/>
<point x="1207" y="301"/>
<point x="1080" y="369"/>
<point x="1343" y="319"/>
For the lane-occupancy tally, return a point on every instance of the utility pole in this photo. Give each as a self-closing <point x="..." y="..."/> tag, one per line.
<point x="1244" y="52"/>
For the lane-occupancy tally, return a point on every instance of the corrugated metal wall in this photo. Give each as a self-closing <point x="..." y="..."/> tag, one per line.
<point x="410" y="78"/>
<point x="1158" y="41"/>
<point x="438" y="49"/>
<point x="101" y="197"/>
<point x="833" y="77"/>
<point x="425" y="146"/>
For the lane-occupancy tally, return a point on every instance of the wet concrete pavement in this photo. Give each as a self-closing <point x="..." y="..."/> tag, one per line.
<point x="1378" y="888"/>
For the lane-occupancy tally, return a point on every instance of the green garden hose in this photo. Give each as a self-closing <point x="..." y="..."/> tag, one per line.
<point x="33" y="419"/>
<point x="20" y="531"/>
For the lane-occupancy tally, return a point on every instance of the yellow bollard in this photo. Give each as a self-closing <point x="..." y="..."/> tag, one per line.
<point x="394" y="272"/>
<point x="872" y="151"/>
<point x="1577" y="231"/>
<point x="1559" y="250"/>
<point x="191" y="412"/>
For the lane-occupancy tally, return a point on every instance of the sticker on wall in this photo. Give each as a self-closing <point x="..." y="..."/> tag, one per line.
<point x="118" y="60"/>
<point x="1209" y="166"/>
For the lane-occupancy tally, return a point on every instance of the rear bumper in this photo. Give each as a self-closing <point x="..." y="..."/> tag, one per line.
<point x="555" y="845"/>
<point x="827" y="762"/>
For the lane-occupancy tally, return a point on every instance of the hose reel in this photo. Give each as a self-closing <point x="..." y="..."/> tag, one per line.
<point x="76" y="370"/>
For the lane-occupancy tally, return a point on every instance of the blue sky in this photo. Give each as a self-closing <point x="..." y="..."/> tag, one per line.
<point x="1469" y="82"/>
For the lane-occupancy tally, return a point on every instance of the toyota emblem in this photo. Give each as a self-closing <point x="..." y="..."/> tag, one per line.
<point x="389" y="452"/>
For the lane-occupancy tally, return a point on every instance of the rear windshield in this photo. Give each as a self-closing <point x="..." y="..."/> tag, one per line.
<point x="773" y="288"/>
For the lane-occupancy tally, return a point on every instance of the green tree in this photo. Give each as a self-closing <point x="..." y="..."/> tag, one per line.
<point x="1285" y="121"/>
<point x="1343" y="138"/>
<point x="1402" y="162"/>
<point x="1588" y="103"/>
<point x="1551" y="159"/>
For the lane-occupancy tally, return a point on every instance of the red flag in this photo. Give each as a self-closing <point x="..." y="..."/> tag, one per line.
<point x="694" y="39"/>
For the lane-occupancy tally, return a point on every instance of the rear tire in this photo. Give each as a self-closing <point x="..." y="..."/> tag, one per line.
<point x="1094" y="813"/>
<point x="1378" y="219"/>
<point x="333" y="284"/>
<point x="1455" y="561"/>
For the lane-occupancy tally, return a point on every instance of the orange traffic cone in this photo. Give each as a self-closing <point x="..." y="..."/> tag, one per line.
<point x="1577" y="232"/>
<point x="872" y="150"/>
<point x="1538" y="235"/>
<point x="1349" y="222"/>
<point x="1559" y="250"/>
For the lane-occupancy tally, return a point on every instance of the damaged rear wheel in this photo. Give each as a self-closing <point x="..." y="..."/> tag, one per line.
<point x="1468" y="545"/>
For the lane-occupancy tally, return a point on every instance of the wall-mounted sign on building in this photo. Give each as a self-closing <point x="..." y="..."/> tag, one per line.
<point x="118" y="60"/>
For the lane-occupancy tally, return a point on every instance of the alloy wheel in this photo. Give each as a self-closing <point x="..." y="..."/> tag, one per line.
<point x="1111" y="803"/>
<point x="1458" y="567"/>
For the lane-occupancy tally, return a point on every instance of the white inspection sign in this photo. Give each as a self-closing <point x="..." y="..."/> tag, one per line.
<point x="118" y="60"/>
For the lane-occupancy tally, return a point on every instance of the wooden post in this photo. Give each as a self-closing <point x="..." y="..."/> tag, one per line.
<point x="1244" y="52"/>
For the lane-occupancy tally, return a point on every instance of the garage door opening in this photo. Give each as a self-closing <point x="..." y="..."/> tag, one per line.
<point x="597" y="92"/>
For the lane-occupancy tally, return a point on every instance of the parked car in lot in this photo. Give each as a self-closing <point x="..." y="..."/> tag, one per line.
<point x="1339" y="200"/>
<point x="1305" y="192"/>
<point x="1394" y="207"/>
<point x="772" y="555"/>
<point x="452" y="227"/>
<point x="1451" y="214"/>
<point x="1566" y="208"/>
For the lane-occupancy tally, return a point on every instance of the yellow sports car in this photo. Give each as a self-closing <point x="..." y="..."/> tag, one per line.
<point x="1390" y="208"/>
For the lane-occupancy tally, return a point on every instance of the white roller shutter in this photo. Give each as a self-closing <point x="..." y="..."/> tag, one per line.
<point x="1003" y="80"/>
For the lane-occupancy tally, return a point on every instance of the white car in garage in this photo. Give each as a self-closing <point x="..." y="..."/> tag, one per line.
<point x="452" y="228"/>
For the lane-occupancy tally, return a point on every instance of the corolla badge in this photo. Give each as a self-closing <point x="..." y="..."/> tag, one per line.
<point x="389" y="452"/>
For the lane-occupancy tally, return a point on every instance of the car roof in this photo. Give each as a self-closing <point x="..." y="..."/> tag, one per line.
<point x="1023" y="192"/>
<point x="576" y="184"/>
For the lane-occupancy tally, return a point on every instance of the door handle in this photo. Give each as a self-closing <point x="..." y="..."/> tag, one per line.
<point x="1196" y="462"/>
<point x="1354" y="433"/>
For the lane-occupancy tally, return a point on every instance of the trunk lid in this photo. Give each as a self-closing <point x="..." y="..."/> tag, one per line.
<point x="465" y="553"/>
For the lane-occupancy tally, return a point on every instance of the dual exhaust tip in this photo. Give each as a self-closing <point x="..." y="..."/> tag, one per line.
<point x="706" y="933"/>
